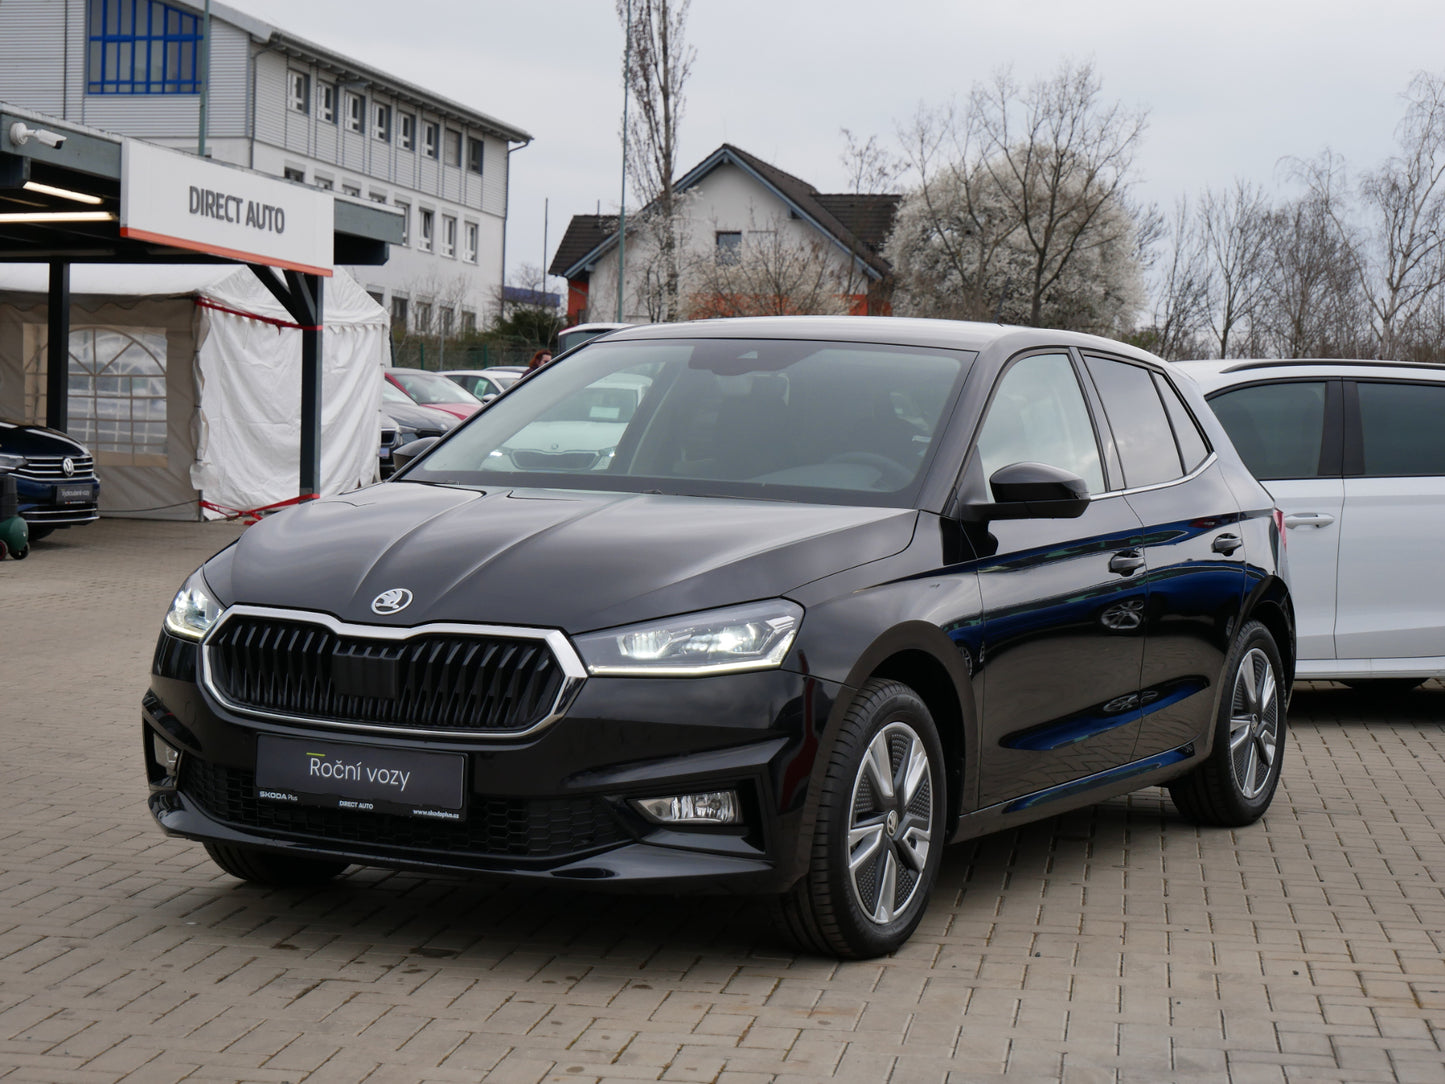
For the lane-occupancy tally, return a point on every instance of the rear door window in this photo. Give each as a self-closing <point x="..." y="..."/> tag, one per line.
<point x="1402" y="428"/>
<point x="1141" y="428"/>
<point x="1278" y="429"/>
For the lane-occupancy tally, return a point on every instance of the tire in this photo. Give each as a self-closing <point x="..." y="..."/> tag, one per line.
<point x="22" y="553"/>
<point x="879" y="832"/>
<point x="273" y="869"/>
<point x="1385" y="686"/>
<point x="1235" y="784"/>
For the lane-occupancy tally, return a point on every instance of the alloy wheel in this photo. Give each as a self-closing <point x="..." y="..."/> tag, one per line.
<point x="1253" y="723"/>
<point x="891" y="825"/>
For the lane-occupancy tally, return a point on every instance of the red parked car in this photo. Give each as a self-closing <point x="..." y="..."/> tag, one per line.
<point x="436" y="391"/>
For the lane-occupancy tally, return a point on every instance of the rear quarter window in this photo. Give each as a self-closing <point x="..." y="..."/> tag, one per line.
<point x="1402" y="428"/>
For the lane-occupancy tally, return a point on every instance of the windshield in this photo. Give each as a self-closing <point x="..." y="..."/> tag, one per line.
<point x="432" y="388"/>
<point x="825" y="422"/>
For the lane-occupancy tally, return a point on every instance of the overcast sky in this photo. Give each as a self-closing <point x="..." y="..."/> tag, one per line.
<point x="1230" y="87"/>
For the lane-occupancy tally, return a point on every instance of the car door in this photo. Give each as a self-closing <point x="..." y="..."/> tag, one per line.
<point x="1390" y="601"/>
<point x="1059" y="679"/>
<point x="1193" y="548"/>
<point x="1289" y="434"/>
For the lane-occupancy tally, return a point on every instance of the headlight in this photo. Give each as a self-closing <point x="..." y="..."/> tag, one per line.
<point x="755" y="636"/>
<point x="194" y="609"/>
<point x="11" y="462"/>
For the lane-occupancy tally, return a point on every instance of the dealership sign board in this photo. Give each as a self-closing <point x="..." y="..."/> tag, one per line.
<point x="174" y="198"/>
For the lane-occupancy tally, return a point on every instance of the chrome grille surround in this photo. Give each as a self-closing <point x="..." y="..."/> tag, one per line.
<point x="49" y="468"/>
<point x="573" y="673"/>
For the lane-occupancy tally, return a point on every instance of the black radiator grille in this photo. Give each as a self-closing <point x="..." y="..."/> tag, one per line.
<point x="500" y="827"/>
<point x="432" y="681"/>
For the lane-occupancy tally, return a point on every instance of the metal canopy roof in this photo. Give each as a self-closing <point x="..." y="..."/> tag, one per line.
<point x="87" y="163"/>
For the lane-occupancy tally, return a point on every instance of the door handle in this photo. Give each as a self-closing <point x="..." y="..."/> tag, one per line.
<point x="1227" y="544"/>
<point x="1126" y="562"/>
<point x="1308" y="519"/>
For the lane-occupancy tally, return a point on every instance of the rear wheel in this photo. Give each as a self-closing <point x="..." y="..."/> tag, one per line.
<point x="879" y="833"/>
<point x="270" y="868"/>
<point x="1234" y="786"/>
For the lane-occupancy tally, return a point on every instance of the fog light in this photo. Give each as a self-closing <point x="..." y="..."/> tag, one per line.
<point x="710" y="807"/>
<point x="165" y="756"/>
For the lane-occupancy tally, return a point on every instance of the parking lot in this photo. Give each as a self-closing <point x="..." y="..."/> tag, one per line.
<point x="1117" y="944"/>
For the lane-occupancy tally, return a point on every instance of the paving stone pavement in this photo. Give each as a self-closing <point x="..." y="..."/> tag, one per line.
<point x="1117" y="944"/>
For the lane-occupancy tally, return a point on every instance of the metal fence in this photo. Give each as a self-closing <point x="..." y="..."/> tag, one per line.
<point x="432" y="352"/>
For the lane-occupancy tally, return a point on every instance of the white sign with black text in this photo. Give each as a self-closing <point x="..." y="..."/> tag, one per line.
<point x="175" y="198"/>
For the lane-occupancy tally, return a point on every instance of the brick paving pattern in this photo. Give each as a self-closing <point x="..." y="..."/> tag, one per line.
<point x="1116" y="944"/>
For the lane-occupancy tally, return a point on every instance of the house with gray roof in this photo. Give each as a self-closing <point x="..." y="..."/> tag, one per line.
<point x="732" y="201"/>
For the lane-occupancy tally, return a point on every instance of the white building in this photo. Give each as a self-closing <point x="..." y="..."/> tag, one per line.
<point x="290" y="108"/>
<point x="733" y="206"/>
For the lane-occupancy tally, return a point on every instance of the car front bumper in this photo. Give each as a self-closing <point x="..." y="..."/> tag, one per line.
<point x="557" y="804"/>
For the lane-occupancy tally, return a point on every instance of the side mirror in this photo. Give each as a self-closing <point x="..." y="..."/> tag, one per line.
<point x="402" y="456"/>
<point x="1035" y="491"/>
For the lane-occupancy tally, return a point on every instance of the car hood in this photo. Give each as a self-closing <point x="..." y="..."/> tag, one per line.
<point x="558" y="559"/>
<point x="20" y="439"/>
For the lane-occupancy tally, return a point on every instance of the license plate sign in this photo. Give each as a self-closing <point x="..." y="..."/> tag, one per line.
<point x="75" y="494"/>
<point x="362" y="778"/>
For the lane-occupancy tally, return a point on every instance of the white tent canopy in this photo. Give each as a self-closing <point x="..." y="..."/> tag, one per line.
<point x="185" y="382"/>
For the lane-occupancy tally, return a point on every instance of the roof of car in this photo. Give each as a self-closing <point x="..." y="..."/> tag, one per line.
<point x="889" y="330"/>
<point x="1211" y="373"/>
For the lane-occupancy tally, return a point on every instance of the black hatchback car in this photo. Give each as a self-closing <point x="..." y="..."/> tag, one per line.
<point x="777" y="606"/>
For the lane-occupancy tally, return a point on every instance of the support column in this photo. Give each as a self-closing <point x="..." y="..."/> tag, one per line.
<point x="57" y="349"/>
<point x="311" y="344"/>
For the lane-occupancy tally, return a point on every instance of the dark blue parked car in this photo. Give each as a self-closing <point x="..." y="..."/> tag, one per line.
<point x="54" y="475"/>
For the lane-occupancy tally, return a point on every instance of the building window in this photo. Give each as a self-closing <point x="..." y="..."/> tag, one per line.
<point x="428" y="218"/>
<point x="449" y="235"/>
<point x="398" y="313"/>
<point x="291" y="173"/>
<point x="406" y="130"/>
<point x="141" y="47"/>
<point x="355" y="113"/>
<point x="405" y="209"/>
<point x="382" y="127"/>
<point x="379" y="296"/>
<point x="323" y="183"/>
<point x="474" y="156"/>
<point x="423" y="317"/>
<point x="469" y="322"/>
<point x="326" y="102"/>
<point x="378" y="197"/>
<point x="444" y="321"/>
<point x="300" y="98"/>
<point x="453" y="148"/>
<point x="471" y="242"/>
<point x="350" y="190"/>
<point x="429" y="139"/>
<point x="729" y="245"/>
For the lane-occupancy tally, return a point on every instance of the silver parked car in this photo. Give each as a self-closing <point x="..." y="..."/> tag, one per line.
<point x="1354" y="454"/>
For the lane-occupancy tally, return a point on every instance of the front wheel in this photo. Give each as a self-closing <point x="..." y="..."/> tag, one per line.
<point x="879" y="832"/>
<point x="1235" y="784"/>
<point x="273" y="869"/>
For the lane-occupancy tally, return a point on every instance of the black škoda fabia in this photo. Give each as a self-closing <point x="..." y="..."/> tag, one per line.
<point x="778" y="606"/>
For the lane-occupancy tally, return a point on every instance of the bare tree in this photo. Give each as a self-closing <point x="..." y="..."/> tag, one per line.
<point x="871" y="169"/>
<point x="1234" y="225"/>
<point x="1181" y="277"/>
<point x="659" y="62"/>
<point x="1312" y="302"/>
<point x="1403" y="263"/>
<point x="773" y="271"/>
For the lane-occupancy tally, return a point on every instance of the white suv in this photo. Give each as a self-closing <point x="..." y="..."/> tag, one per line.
<point x="1354" y="454"/>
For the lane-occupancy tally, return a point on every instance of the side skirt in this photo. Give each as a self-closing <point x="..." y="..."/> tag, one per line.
<point x="1078" y="793"/>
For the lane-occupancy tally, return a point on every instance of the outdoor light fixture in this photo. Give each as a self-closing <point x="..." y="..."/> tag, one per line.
<point x="58" y="216"/>
<point x="21" y="134"/>
<point x="63" y="193"/>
